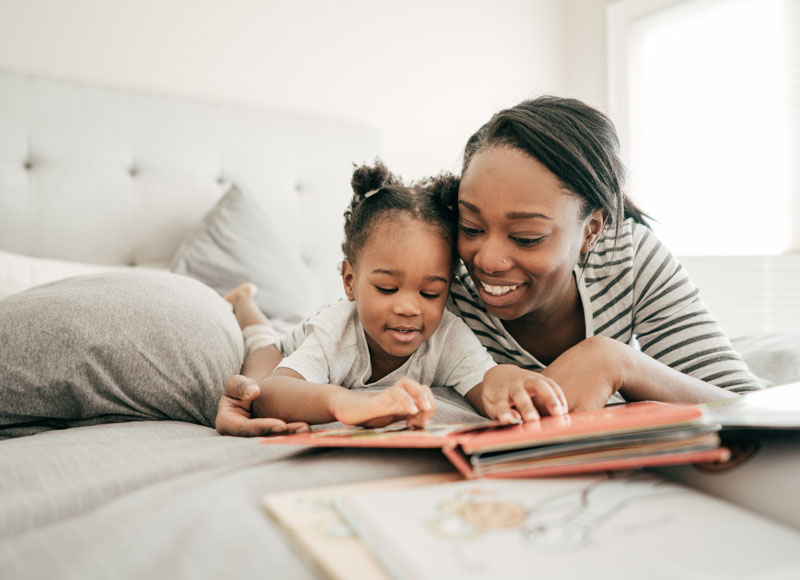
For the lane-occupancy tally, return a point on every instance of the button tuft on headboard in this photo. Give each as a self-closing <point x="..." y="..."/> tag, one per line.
<point x="133" y="171"/>
<point x="28" y="165"/>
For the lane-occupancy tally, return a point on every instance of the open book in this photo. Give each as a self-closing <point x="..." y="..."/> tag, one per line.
<point x="620" y="525"/>
<point x="619" y="437"/>
<point x="643" y="434"/>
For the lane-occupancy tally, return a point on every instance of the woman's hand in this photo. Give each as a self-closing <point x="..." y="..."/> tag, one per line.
<point x="406" y="399"/>
<point x="235" y="415"/>
<point x="590" y="372"/>
<point x="511" y="394"/>
<point x="594" y="369"/>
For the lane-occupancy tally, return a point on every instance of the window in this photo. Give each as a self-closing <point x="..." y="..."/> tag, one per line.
<point x="705" y="95"/>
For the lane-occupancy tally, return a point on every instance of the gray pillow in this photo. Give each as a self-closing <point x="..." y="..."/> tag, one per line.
<point x="235" y="243"/>
<point x="112" y="347"/>
<point x="773" y="357"/>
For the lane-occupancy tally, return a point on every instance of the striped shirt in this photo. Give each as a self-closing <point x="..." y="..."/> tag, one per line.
<point x="636" y="292"/>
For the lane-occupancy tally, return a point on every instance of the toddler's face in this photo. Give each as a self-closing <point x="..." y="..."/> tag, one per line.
<point x="400" y="284"/>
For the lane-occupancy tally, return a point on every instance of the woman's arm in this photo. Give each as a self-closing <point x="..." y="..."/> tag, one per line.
<point x="673" y="326"/>
<point x="644" y="293"/>
<point x="594" y="369"/>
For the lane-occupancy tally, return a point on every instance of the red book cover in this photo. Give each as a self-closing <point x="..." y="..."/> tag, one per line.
<point x="642" y="434"/>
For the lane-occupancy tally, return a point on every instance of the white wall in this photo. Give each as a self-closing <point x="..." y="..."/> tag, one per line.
<point x="425" y="72"/>
<point x="585" y="64"/>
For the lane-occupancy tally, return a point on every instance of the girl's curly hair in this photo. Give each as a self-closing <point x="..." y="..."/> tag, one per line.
<point x="380" y="195"/>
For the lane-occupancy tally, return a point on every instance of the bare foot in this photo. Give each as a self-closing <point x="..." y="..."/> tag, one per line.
<point x="246" y="290"/>
<point x="244" y="305"/>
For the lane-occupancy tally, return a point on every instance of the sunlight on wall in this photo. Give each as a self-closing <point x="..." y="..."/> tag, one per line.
<point x="709" y="135"/>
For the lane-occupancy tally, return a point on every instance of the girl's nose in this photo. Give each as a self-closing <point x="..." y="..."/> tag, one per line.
<point x="407" y="305"/>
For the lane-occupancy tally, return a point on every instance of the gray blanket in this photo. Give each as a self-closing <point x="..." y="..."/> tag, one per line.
<point x="163" y="500"/>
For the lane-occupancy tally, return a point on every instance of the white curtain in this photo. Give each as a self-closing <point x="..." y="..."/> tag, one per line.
<point x="706" y="94"/>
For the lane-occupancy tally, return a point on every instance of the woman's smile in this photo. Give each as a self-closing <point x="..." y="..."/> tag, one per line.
<point x="500" y="294"/>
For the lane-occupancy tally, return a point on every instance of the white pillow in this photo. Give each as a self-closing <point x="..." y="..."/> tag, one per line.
<point x="19" y="272"/>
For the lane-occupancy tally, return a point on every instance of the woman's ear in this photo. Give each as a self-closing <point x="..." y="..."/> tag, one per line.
<point x="593" y="229"/>
<point x="349" y="280"/>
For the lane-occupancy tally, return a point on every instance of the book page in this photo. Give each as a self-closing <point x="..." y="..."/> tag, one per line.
<point x="626" y="525"/>
<point x="312" y="521"/>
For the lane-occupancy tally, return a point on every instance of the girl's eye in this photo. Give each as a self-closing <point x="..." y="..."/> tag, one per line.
<point x="526" y="242"/>
<point x="386" y="290"/>
<point x="430" y="295"/>
<point x="468" y="231"/>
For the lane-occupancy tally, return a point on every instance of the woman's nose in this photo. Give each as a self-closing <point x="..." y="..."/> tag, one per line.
<point x="492" y="257"/>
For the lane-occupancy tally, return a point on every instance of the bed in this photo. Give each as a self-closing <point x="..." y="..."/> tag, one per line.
<point x="109" y="465"/>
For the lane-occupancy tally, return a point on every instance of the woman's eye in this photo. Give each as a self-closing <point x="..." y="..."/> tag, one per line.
<point x="468" y="231"/>
<point x="383" y="290"/>
<point x="526" y="242"/>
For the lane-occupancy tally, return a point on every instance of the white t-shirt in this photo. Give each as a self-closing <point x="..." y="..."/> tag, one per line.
<point x="331" y="347"/>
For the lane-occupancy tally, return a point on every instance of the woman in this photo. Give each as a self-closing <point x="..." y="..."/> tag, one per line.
<point x="561" y="273"/>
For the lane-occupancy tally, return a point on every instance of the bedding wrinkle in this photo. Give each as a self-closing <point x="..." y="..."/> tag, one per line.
<point x="99" y="472"/>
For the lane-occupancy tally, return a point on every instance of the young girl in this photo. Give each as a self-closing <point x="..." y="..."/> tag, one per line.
<point x="369" y="360"/>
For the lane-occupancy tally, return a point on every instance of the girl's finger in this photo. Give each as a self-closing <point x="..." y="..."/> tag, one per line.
<point x="524" y="404"/>
<point x="421" y="393"/>
<point x="559" y="392"/>
<point x="500" y="410"/>
<point x="262" y="427"/>
<point x="545" y="395"/>
<point x="401" y="402"/>
<point x="242" y="388"/>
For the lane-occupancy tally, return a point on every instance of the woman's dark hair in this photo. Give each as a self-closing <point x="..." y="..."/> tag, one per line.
<point x="576" y="142"/>
<point x="379" y="195"/>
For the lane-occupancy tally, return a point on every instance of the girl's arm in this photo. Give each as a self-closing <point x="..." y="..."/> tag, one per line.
<point x="288" y="396"/>
<point x="286" y="402"/>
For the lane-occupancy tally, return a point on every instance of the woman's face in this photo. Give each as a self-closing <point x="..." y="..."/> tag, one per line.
<point x="520" y="233"/>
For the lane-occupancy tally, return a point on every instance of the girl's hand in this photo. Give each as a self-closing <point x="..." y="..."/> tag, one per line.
<point x="511" y="394"/>
<point x="590" y="372"/>
<point x="235" y="415"/>
<point x="406" y="399"/>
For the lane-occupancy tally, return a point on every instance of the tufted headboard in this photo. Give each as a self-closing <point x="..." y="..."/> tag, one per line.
<point x="118" y="177"/>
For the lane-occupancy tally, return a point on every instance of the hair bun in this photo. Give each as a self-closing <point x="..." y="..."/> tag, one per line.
<point x="444" y="187"/>
<point x="369" y="179"/>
